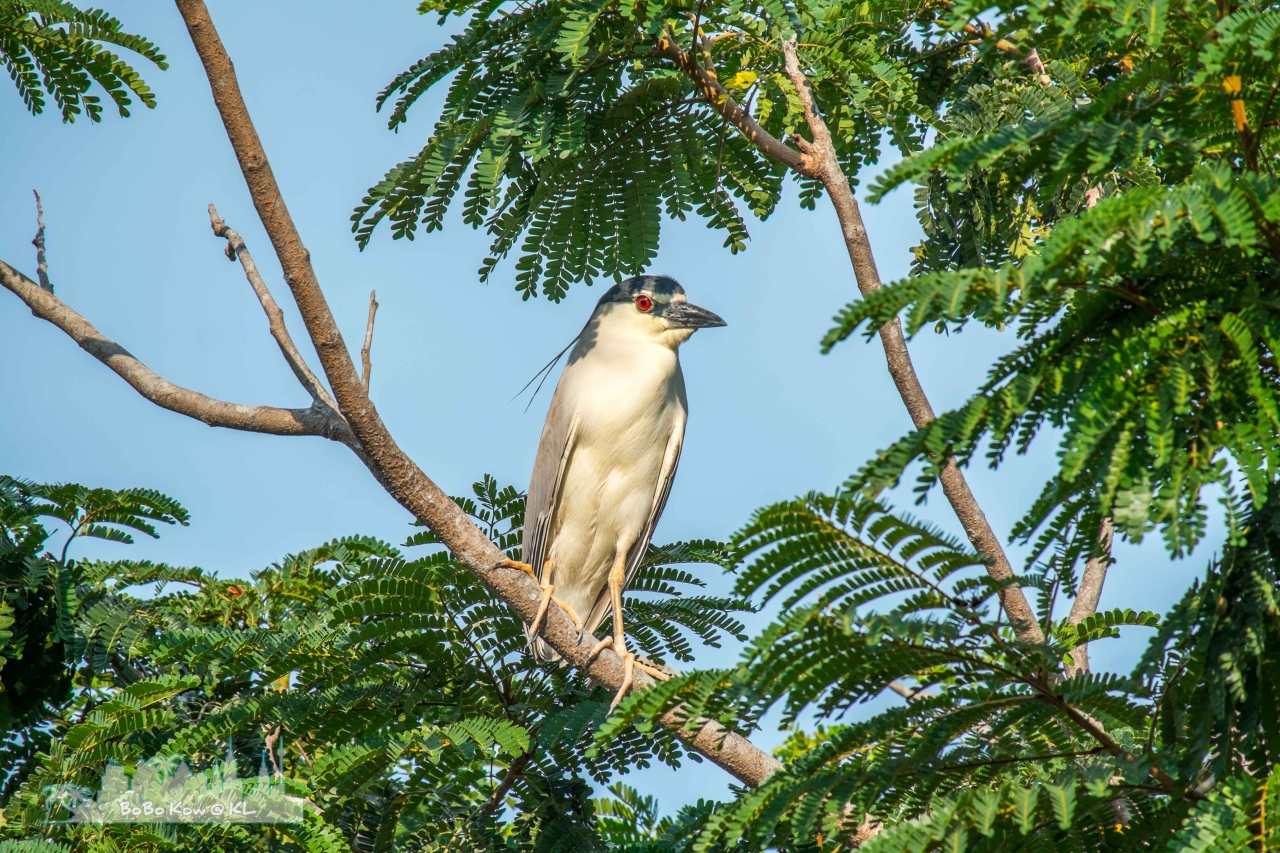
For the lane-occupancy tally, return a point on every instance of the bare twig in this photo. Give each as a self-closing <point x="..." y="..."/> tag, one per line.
<point x="1086" y="603"/>
<point x="267" y="419"/>
<point x="42" y="262"/>
<point x="365" y="363"/>
<point x="236" y="250"/>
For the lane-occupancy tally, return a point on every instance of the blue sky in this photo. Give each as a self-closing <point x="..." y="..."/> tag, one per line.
<point x="130" y="248"/>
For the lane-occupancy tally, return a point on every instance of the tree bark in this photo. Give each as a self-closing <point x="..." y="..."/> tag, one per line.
<point x="1089" y="593"/>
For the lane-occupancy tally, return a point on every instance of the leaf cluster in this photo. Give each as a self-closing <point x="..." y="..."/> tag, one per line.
<point x="53" y="49"/>
<point x="391" y="693"/>
<point x="570" y="133"/>
<point x="1119" y="212"/>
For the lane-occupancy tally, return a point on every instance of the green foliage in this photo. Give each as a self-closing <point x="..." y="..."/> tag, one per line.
<point x="998" y="746"/>
<point x="1149" y="321"/>
<point x="52" y="49"/>
<point x="392" y="692"/>
<point x="40" y="595"/>
<point x="571" y="135"/>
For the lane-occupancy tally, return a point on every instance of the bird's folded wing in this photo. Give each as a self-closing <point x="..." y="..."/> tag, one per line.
<point x="667" y="475"/>
<point x="554" y="450"/>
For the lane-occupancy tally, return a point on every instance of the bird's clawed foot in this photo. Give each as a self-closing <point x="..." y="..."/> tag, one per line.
<point x="606" y="643"/>
<point x="629" y="666"/>
<point x="547" y="598"/>
<point x="548" y="590"/>
<point x="516" y="564"/>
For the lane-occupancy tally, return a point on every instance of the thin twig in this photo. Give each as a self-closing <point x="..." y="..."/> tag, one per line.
<point x="315" y="421"/>
<point x="42" y="262"/>
<point x="514" y="771"/>
<point x="365" y="363"/>
<point x="236" y="250"/>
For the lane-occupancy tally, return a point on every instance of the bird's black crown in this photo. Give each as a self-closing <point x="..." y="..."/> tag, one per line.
<point x="660" y="287"/>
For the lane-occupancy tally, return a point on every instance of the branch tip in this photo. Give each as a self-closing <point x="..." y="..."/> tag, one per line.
<point x="236" y="250"/>
<point x="365" y="362"/>
<point x="42" y="261"/>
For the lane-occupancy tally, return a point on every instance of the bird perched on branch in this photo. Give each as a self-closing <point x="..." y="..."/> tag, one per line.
<point x="608" y="455"/>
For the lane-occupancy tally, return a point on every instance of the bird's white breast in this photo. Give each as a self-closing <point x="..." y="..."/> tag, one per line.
<point x="626" y="401"/>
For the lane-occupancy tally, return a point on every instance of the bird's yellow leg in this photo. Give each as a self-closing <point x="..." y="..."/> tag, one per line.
<point x="548" y="590"/>
<point x="618" y="579"/>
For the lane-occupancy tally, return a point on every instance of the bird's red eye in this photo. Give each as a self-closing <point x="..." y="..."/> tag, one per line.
<point x="644" y="303"/>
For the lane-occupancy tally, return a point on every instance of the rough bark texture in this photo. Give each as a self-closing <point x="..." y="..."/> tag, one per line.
<point x="398" y="473"/>
<point x="1089" y="593"/>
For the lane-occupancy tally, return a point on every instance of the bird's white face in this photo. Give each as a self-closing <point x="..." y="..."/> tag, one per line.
<point x="667" y="319"/>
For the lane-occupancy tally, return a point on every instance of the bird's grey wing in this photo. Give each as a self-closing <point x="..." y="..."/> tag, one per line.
<point x="554" y="449"/>
<point x="666" y="476"/>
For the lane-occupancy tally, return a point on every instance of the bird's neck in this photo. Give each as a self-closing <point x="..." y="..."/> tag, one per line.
<point x="636" y="350"/>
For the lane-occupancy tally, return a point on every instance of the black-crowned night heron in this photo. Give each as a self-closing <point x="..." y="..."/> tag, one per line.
<point x="608" y="454"/>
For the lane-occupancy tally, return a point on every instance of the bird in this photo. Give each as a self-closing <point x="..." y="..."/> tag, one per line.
<point x="608" y="455"/>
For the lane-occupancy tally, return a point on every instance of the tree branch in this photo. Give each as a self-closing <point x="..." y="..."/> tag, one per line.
<point x="42" y="262"/>
<point x="731" y="111"/>
<point x="365" y="363"/>
<point x="266" y="419"/>
<point x="514" y="771"/>
<point x="236" y="250"/>
<point x="826" y="167"/>
<point x="1086" y="603"/>
<point x="399" y="475"/>
<point x="817" y="159"/>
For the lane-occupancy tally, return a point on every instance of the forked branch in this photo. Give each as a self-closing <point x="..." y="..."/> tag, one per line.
<point x="266" y="419"/>
<point x="236" y="250"/>
<point x="817" y="159"/>
<point x="827" y="169"/>
<point x="1089" y="593"/>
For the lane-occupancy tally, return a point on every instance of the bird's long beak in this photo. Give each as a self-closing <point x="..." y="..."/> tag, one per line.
<point x="682" y="315"/>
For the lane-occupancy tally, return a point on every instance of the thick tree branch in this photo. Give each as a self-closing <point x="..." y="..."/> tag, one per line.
<point x="365" y="363"/>
<point x="401" y="477"/>
<point x="236" y="250"/>
<point x="42" y="262"/>
<point x="825" y="166"/>
<point x="267" y="419"/>
<point x="1086" y="603"/>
